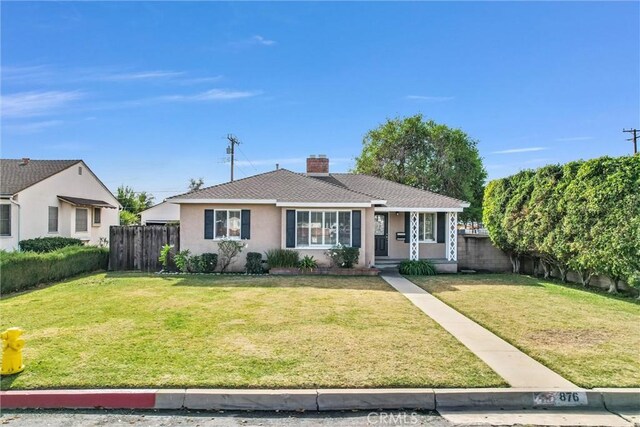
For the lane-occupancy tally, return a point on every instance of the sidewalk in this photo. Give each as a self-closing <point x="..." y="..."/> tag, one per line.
<point x="518" y="369"/>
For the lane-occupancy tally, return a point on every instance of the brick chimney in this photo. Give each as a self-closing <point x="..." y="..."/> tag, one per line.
<point x="317" y="165"/>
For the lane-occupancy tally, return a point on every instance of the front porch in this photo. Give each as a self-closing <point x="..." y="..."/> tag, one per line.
<point x="416" y="234"/>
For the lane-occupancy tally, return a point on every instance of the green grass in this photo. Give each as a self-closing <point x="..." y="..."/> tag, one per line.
<point x="590" y="338"/>
<point x="134" y="330"/>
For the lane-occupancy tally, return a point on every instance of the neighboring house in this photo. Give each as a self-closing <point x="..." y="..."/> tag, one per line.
<point x="160" y="214"/>
<point x="314" y="211"/>
<point x="41" y="198"/>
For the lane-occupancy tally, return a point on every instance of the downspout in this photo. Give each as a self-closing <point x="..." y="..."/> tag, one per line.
<point x="18" y="205"/>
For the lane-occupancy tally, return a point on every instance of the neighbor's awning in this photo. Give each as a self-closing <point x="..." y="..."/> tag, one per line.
<point x="78" y="201"/>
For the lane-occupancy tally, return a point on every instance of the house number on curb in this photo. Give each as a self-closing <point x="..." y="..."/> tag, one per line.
<point x="560" y="398"/>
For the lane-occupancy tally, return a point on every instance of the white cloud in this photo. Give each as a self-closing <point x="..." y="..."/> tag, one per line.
<point x="26" y="104"/>
<point x="32" y="127"/>
<point x="140" y="75"/>
<point x="520" y="150"/>
<point x="213" y="95"/>
<point x="429" y="98"/>
<point x="261" y="40"/>
<point x="575" y="138"/>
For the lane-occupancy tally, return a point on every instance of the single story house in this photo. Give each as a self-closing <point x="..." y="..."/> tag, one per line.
<point x="160" y="214"/>
<point x="41" y="198"/>
<point x="313" y="211"/>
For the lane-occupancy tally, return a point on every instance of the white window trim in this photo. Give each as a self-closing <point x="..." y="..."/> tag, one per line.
<point x="324" y="246"/>
<point x="227" y="237"/>
<point x="75" y="225"/>
<point x="435" y="228"/>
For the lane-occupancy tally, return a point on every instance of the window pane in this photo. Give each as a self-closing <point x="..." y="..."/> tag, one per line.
<point x="421" y="227"/>
<point x="221" y="224"/>
<point x="5" y="220"/>
<point x="316" y="228"/>
<point x="428" y="226"/>
<point x="97" y="215"/>
<point x="330" y="228"/>
<point x="234" y="224"/>
<point x="81" y="219"/>
<point x="379" y="225"/>
<point x="344" y="228"/>
<point x="302" y="232"/>
<point x="53" y="219"/>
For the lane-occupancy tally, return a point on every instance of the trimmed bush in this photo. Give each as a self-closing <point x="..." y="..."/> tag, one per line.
<point x="254" y="263"/>
<point x="343" y="256"/>
<point x="205" y="263"/>
<point x="282" y="258"/>
<point x="48" y="244"/>
<point x="420" y="267"/>
<point x="22" y="270"/>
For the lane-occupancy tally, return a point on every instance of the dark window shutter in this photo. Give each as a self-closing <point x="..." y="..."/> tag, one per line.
<point x="208" y="223"/>
<point x="245" y="224"/>
<point x="441" y="223"/>
<point x="356" y="229"/>
<point x="407" y="227"/>
<point x="291" y="228"/>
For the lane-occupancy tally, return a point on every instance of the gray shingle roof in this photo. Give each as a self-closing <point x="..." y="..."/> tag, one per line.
<point x="281" y="185"/>
<point x="15" y="177"/>
<point x="80" y="201"/>
<point x="285" y="186"/>
<point x="396" y="195"/>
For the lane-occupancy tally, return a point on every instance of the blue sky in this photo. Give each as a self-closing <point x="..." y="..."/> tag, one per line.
<point x="147" y="92"/>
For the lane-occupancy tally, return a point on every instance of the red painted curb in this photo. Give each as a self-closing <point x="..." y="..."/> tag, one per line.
<point x="77" y="399"/>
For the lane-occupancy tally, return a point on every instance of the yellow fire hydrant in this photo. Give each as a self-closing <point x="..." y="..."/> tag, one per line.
<point x="12" y="351"/>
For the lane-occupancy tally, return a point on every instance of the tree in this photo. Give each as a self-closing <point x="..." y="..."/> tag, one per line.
<point x="426" y="155"/>
<point x="195" y="184"/>
<point x="132" y="202"/>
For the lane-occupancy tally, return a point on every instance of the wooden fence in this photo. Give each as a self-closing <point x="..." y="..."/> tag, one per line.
<point x="137" y="247"/>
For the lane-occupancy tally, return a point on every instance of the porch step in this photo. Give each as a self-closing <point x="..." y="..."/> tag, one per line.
<point x="384" y="263"/>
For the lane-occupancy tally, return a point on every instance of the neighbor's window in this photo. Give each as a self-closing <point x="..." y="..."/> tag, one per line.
<point x="5" y="220"/>
<point x="53" y="219"/>
<point x="79" y="170"/>
<point x="97" y="216"/>
<point x="323" y="228"/>
<point x="227" y="224"/>
<point x="427" y="227"/>
<point x="81" y="219"/>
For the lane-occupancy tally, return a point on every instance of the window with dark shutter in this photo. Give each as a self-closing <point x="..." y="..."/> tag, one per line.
<point x="208" y="223"/>
<point x="356" y="229"/>
<point x="245" y="226"/>
<point x="291" y="229"/>
<point x="441" y="223"/>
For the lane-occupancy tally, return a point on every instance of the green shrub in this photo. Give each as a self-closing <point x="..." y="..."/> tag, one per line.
<point x="48" y="244"/>
<point x="254" y="263"/>
<point x="182" y="260"/>
<point x="22" y="270"/>
<point x="206" y="263"/>
<point x="282" y="258"/>
<point x="308" y="263"/>
<point x="420" y="267"/>
<point x="165" y="256"/>
<point x="343" y="256"/>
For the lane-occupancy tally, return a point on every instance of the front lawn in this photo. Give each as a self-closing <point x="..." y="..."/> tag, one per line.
<point x="134" y="330"/>
<point x="589" y="338"/>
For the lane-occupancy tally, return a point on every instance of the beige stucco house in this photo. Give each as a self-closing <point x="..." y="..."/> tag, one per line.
<point x="313" y="211"/>
<point x="40" y="198"/>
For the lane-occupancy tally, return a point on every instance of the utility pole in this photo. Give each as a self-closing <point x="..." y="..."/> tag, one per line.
<point x="233" y="141"/>
<point x="634" y="138"/>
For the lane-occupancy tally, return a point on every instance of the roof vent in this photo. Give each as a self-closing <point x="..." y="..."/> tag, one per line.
<point x="24" y="161"/>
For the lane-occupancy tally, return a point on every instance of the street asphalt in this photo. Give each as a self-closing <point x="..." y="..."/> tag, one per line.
<point x="77" y="418"/>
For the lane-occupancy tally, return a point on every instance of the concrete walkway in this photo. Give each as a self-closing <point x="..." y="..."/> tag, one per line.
<point x="518" y="369"/>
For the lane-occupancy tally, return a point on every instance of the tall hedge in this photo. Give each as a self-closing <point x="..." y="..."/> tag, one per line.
<point x="22" y="270"/>
<point x="583" y="216"/>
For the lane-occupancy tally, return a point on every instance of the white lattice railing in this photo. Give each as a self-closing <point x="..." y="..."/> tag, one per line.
<point x="452" y="236"/>
<point x="414" y="248"/>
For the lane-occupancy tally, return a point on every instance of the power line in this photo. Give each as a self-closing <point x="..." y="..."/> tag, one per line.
<point x="634" y="138"/>
<point x="245" y="156"/>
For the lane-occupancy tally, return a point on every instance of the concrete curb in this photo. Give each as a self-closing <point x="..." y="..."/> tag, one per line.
<point x="322" y="399"/>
